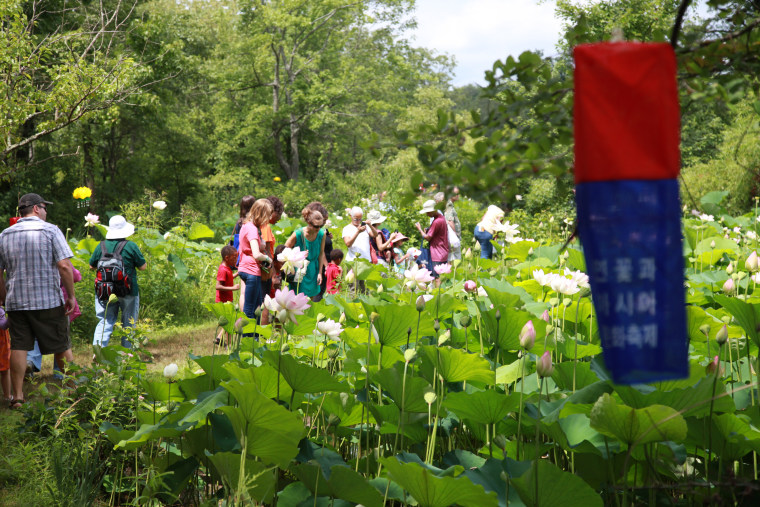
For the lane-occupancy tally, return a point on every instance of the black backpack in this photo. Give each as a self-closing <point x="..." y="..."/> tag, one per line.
<point x="111" y="277"/>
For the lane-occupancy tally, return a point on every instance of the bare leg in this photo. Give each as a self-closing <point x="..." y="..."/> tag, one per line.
<point x="62" y="358"/>
<point x="18" y="368"/>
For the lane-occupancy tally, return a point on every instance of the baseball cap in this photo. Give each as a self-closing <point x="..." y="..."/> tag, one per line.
<point x="28" y="200"/>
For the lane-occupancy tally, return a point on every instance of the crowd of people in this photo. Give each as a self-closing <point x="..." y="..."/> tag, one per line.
<point x="37" y="289"/>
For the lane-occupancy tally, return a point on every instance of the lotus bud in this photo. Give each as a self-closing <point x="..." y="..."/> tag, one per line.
<point x="500" y="441"/>
<point x="380" y="289"/>
<point x="741" y="275"/>
<point x="549" y="329"/>
<point x="544" y="366"/>
<point x="497" y="315"/>
<point x="730" y="268"/>
<point x="320" y="316"/>
<point x="726" y="319"/>
<point x="444" y="337"/>
<point x="712" y="244"/>
<point x="170" y="370"/>
<point x="470" y="286"/>
<point x="436" y="326"/>
<point x="223" y="321"/>
<point x="705" y="329"/>
<point x="112" y="298"/>
<point x="713" y="366"/>
<point x="350" y="276"/>
<point x="257" y="312"/>
<point x="240" y="324"/>
<point x="545" y="316"/>
<point x="285" y="348"/>
<point x="528" y="336"/>
<point x="430" y="397"/>
<point x="752" y="261"/>
<point x="373" y="316"/>
<point x="722" y="335"/>
<point x="420" y="304"/>
<point x="477" y="247"/>
<point x="530" y="251"/>
<point x="410" y="355"/>
<point x="728" y="287"/>
<point x="468" y="254"/>
<point x="342" y="318"/>
<point x="465" y="320"/>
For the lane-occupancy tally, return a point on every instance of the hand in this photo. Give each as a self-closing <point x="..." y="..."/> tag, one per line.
<point x="236" y="274"/>
<point x="71" y="304"/>
<point x="417" y="225"/>
<point x="362" y="228"/>
<point x="236" y="286"/>
<point x="319" y="278"/>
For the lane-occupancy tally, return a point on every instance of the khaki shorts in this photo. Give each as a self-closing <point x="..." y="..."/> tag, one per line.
<point x="49" y="327"/>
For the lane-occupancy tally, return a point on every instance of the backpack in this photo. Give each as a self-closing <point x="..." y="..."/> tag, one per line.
<point x="111" y="277"/>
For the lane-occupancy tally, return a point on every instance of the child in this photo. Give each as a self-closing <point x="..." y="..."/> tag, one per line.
<point x="400" y="259"/>
<point x="225" y="281"/>
<point x="333" y="270"/>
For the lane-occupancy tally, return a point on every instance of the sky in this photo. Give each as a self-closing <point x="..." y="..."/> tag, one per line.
<point x="479" y="32"/>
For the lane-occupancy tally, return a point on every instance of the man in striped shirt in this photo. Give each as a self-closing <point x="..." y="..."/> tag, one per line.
<point x="36" y="260"/>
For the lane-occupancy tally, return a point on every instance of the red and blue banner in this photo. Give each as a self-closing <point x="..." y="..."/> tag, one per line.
<point x="627" y="160"/>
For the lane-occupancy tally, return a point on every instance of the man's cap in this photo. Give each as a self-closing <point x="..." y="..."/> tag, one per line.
<point x="28" y="200"/>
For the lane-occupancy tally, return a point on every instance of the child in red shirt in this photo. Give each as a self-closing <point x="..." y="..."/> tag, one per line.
<point x="225" y="283"/>
<point x="333" y="270"/>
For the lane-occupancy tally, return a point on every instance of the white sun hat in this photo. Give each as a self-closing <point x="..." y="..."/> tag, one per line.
<point x="119" y="228"/>
<point x="375" y="217"/>
<point x="428" y="206"/>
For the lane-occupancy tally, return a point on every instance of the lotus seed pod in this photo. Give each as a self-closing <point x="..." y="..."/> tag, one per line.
<point x="436" y="326"/>
<point x="223" y="321"/>
<point x="465" y="320"/>
<point x="320" y="316"/>
<point x="430" y="397"/>
<point x="722" y="335"/>
<point x="420" y="303"/>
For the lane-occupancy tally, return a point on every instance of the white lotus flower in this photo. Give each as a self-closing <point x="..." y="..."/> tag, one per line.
<point x="170" y="370"/>
<point x="482" y="292"/>
<point x="706" y="218"/>
<point x="167" y="234"/>
<point x="563" y="285"/>
<point x="417" y="278"/>
<point x="579" y="277"/>
<point x="330" y="328"/>
<point x="292" y="259"/>
<point x="159" y="204"/>
<point x="91" y="220"/>
<point x="542" y="279"/>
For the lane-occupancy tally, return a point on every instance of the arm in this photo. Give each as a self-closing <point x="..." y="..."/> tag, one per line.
<point x="349" y="241"/>
<point x="258" y="254"/>
<point x="143" y="267"/>
<point x="425" y="236"/>
<point x="66" y="270"/>
<point x="2" y="288"/>
<point x="322" y="260"/>
<point x="220" y="286"/>
<point x="383" y="245"/>
<point x="372" y="231"/>
<point x="291" y="242"/>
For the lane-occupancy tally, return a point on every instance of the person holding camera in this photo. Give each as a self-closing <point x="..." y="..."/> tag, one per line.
<point x="253" y="256"/>
<point x="357" y="236"/>
<point x="311" y="239"/>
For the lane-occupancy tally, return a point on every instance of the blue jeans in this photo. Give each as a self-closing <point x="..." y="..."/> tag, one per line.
<point x="34" y="356"/>
<point x="129" y="306"/>
<point x="254" y="295"/>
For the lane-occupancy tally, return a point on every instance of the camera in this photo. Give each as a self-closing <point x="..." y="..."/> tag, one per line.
<point x="363" y="223"/>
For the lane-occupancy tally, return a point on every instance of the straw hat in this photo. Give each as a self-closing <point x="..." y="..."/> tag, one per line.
<point x="375" y="217"/>
<point x="119" y="228"/>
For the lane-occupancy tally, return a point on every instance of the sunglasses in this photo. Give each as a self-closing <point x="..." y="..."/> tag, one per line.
<point x="41" y="206"/>
<point x="317" y="226"/>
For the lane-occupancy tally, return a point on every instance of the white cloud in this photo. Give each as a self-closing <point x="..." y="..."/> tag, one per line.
<point x="479" y="32"/>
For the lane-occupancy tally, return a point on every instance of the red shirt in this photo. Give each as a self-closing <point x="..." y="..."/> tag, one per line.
<point x="439" y="241"/>
<point x="224" y="275"/>
<point x="332" y="272"/>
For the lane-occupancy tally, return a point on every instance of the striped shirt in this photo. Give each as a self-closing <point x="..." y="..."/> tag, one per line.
<point x="29" y="251"/>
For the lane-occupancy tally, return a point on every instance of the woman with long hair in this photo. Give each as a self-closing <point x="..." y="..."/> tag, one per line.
<point x="311" y="238"/>
<point x="245" y="206"/>
<point x="253" y="255"/>
<point x="487" y="229"/>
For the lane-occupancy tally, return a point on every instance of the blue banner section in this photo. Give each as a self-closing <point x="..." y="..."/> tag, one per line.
<point x="631" y="237"/>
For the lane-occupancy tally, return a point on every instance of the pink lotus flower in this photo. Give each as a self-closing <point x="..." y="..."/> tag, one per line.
<point x="443" y="269"/>
<point x="752" y="261"/>
<point x="544" y="366"/>
<point x="330" y="328"/>
<point x="417" y="278"/>
<point x="91" y="220"/>
<point x="286" y="304"/>
<point x="545" y="316"/>
<point x="292" y="259"/>
<point x="528" y="335"/>
<point x="470" y="286"/>
<point x="713" y="366"/>
<point x="728" y="287"/>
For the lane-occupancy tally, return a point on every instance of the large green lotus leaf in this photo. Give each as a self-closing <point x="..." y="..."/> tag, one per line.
<point x="344" y="406"/>
<point x="273" y="433"/>
<point x="443" y="306"/>
<point x="303" y="378"/>
<point x="746" y="314"/>
<point x="489" y="475"/>
<point x="509" y="327"/>
<point x="716" y="243"/>
<point x="697" y="317"/>
<point x="456" y="365"/>
<point x="265" y="377"/>
<point x="565" y="372"/>
<point x="430" y="490"/>
<point x="712" y="257"/>
<point x="509" y="373"/>
<point x="552" y="411"/>
<point x="351" y="309"/>
<point x="259" y="479"/>
<point x="394" y="320"/>
<point x="578" y="431"/>
<point x="520" y="250"/>
<point x="575" y="259"/>
<point x="88" y="245"/>
<point x="507" y="287"/>
<point x="733" y="435"/>
<point x="693" y="401"/>
<point x="344" y="483"/>
<point x="149" y="432"/>
<point x="227" y="310"/>
<point x="503" y="299"/>
<point x="357" y="357"/>
<point x="206" y="402"/>
<point x="199" y="231"/>
<point x="577" y="349"/>
<point x="556" y="488"/>
<point x="323" y="456"/>
<point x="213" y="365"/>
<point x="162" y="391"/>
<point x="180" y="268"/>
<point x="486" y="407"/>
<point x="655" y="423"/>
<point x="193" y="387"/>
<point x="412" y="393"/>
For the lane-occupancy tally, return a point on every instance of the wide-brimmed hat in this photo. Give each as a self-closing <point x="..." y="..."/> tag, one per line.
<point x="428" y="206"/>
<point x="375" y="217"/>
<point x="397" y="236"/>
<point x="28" y="200"/>
<point x="119" y="228"/>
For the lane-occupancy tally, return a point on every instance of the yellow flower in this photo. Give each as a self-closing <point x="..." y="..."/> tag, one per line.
<point x="277" y="179"/>
<point x="82" y="193"/>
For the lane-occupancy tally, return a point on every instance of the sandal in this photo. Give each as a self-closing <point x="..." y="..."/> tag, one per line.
<point x="16" y="404"/>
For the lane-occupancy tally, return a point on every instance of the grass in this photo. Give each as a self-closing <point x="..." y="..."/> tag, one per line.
<point x="24" y="465"/>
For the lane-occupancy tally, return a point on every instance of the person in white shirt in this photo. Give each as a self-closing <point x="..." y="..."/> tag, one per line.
<point x="357" y="236"/>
